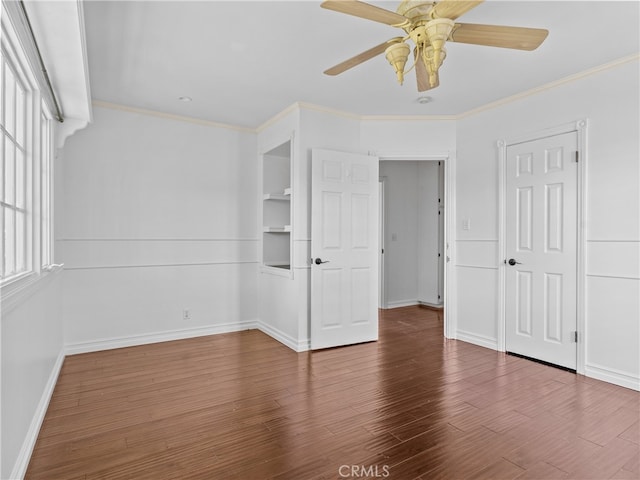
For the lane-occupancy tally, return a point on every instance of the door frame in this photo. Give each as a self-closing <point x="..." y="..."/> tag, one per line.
<point x="579" y="127"/>
<point x="449" y="281"/>
<point x="382" y="286"/>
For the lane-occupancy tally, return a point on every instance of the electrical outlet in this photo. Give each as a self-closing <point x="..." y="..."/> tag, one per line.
<point x="186" y="314"/>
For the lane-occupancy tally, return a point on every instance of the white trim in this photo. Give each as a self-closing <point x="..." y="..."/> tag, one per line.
<point x="449" y="285"/>
<point x="429" y="304"/>
<point x="14" y="294"/>
<point x="194" y="239"/>
<point x="284" y="338"/>
<point x="341" y="113"/>
<point x="549" y="86"/>
<point x="494" y="240"/>
<point x="610" y="375"/>
<point x="166" y="336"/>
<point x="24" y="455"/>
<point x="619" y="277"/>
<point x="476" y="339"/>
<point x="450" y="291"/>
<point x="581" y="246"/>
<point x="501" y="342"/>
<point x="580" y="127"/>
<point x="449" y="282"/>
<point x="170" y="116"/>
<point x="401" y="303"/>
<point x="486" y="267"/>
<point x="160" y="265"/>
<point x="382" y="284"/>
<point x="406" y="118"/>
<point x="437" y="157"/>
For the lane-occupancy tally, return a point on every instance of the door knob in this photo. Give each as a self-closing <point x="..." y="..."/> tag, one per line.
<point x="319" y="261"/>
<point x="512" y="261"/>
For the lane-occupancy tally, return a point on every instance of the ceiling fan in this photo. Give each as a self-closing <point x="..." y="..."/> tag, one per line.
<point x="429" y="25"/>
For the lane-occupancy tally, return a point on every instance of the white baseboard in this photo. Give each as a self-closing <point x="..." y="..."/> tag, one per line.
<point x="401" y="303"/>
<point x="610" y="375"/>
<point x="476" y="339"/>
<point x="432" y="305"/>
<point x="22" y="462"/>
<point x="167" y="336"/>
<point x="284" y="338"/>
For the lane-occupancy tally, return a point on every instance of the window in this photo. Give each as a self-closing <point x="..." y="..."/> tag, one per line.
<point x="25" y="166"/>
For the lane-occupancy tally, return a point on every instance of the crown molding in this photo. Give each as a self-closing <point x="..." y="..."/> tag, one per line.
<point x="277" y="117"/>
<point x="298" y="106"/>
<point x="549" y="86"/>
<point x="170" y="116"/>
<point x="408" y="118"/>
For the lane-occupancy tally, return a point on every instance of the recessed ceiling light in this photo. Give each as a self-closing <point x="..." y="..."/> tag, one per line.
<point x="185" y="99"/>
<point x="424" y="99"/>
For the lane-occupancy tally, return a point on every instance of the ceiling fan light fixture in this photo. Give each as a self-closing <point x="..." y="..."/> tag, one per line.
<point x="397" y="55"/>
<point x="438" y="31"/>
<point x="185" y="98"/>
<point x="429" y="59"/>
<point x="424" y="99"/>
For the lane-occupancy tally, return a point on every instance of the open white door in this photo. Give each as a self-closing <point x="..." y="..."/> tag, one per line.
<point x="344" y="249"/>
<point x="541" y="219"/>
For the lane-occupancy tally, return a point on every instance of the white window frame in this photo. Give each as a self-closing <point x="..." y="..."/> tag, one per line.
<point x="38" y="151"/>
<point x="46" y="188"/>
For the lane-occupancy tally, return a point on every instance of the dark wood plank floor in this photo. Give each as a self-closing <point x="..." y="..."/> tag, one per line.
<point x="410" y="406"/>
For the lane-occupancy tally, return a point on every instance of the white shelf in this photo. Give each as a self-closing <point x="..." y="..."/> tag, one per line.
<point x="276" y="210"/>
<point x="285" y="229"/>
<point x="277" y="196"/>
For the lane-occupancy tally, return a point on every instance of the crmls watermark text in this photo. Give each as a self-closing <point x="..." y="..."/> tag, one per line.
<point x="363" y="471"/>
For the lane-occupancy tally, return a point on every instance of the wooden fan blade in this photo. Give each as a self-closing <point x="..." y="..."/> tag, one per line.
<point x="519" y="38"/>
<point x="422" y="76"/>
<point x="362" y="57"/>
<point x="452" y="9"/>
<point x="364" y="10"/>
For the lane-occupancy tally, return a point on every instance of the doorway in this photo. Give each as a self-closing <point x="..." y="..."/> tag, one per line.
<point x="412" y="233"/>
<point x="542" y="245"/>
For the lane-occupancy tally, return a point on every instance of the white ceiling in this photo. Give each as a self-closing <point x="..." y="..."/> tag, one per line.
<point x="243" y="62"/>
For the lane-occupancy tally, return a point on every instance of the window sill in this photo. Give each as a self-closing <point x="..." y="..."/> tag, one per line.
<point x="19" y="289"/>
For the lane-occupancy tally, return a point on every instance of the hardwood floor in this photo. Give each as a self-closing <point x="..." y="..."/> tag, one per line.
<point x="410" y="406"/>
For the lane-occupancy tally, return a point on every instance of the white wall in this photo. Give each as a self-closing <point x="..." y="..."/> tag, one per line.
<point x="428" y="232"/>
<point x="160" y="216"/>
<point x="31" y="354"/>
<point x="609" y="100"/>
<point x="408" y="137"/>
<point x="401" y="254"/>
<point x="32" y="346"/>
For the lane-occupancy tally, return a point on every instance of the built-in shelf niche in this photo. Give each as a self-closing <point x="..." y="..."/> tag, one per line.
<point x="276" y="207"/>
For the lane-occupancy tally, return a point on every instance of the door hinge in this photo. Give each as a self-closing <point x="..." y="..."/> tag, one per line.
<point x="574" y="336"/>
<point x="576" y="156"/>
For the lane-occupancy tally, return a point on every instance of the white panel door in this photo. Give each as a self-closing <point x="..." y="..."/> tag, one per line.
<point x="541" y="232"/>
<point x="344" y="249"/>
